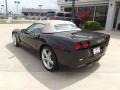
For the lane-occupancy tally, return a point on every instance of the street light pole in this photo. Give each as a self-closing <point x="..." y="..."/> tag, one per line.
<point x="1" y="10"/>
<point x="40" y="10"/>
<point x="73" y="9"/>
<point x="6" y="8"/>
<point x="17" y="3"/>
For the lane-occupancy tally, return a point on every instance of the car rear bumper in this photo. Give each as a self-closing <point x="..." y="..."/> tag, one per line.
<point x="78" y="59"/>
<point x="89" y="61"/>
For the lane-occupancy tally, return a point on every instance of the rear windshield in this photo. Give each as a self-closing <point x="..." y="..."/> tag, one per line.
<point x="65" y="27"/>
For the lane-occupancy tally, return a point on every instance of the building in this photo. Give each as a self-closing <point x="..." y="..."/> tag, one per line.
<point x="107" y="12"/>
<point x="31" y="13"/>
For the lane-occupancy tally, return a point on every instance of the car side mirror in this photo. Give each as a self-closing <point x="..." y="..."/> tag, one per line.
<point x="23" y="30"/>
<point x="36" y="36"/>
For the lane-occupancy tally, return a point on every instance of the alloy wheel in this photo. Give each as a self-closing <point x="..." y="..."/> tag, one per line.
<point x="47" y="59"/>
<point x="14" y="39"/>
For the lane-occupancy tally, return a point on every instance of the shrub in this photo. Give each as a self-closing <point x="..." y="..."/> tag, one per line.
<point x="92" y="25"/>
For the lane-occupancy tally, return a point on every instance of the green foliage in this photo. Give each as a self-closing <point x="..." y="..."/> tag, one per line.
<point x="92" y="25"/>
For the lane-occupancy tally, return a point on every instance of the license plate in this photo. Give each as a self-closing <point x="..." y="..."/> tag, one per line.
<point x="96" y="50"/>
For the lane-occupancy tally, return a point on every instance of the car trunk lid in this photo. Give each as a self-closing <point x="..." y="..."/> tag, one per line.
<point x="94" y="38"/>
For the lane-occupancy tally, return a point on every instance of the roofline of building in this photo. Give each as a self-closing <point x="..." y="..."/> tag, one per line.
<point x="85" y="3"/>
<point x="37" y="10"/>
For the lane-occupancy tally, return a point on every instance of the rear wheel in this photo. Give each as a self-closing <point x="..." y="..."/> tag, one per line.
<point x="49" y="59"/>
<point x="15" y="42"/>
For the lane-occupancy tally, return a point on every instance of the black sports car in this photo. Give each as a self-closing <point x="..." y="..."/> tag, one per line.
<point x="61" y="42"/>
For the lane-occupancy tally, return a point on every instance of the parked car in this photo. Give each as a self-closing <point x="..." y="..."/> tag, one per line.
<point x="64" y="16"/>
<point x="59" y="16"/>
<point x="61" y="42"/>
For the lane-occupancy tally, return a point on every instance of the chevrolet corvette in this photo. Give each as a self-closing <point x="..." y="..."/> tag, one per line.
<point x="62" y="43"/>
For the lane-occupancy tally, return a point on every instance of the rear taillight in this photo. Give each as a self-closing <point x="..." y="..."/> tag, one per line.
<point x="77" y="46"/>
<point x="85" y="45"/>
<point x="54" y="17"/>
<point x="82" y="45"/>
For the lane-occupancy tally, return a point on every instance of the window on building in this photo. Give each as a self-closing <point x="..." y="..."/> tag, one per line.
<point x="31" y="14"/>
<point x="116" y="16"/>
<point x="101" y="14"/>
<point x="36" y="14"/>
<point x="86" y="13"/>
<point x="68" y="9"/>
<point x="97" y="13"/>
<point x="25" y="14"/>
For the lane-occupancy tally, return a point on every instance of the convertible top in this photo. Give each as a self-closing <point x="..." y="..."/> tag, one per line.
<point x="54" y="22"/>
<point x="49" y="28"/>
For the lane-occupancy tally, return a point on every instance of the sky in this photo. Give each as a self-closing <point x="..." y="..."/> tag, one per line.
<point x="47" y="4"/>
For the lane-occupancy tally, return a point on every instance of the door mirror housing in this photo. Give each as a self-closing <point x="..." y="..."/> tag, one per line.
<point x="23" y="30"/>
<point x="36" y="36"/>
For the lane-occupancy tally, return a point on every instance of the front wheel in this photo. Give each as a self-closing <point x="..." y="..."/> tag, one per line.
<point x="49" y="59"/>
<point x="15" y="42"/>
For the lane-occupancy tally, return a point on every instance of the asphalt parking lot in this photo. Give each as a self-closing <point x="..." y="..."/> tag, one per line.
<point x="23" y="70"/>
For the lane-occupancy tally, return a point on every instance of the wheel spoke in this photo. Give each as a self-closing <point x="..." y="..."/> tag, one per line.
<point x="44" y="57"/>
<point x="14" y="39"/>
<point x="47" y="60"/>
<point x="48" y="64"/>
<point x="50" y="60"/>
<point x="45" y="53"/>
<point x="49" y="53"/>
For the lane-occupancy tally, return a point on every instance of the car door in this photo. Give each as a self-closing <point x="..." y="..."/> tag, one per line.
<point x="32" y="34"/>
<point x="24" y="36"/>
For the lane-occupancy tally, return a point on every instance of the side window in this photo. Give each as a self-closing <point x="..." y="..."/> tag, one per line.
<point x="68" y="15"/>
<point x="60" y="14"/>
<point x="35" y="28"/>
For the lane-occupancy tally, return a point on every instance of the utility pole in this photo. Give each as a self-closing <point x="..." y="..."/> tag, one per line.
<point x="2" y="9"/>
<point x="73" y="9"/>
<point x="17" y="3"/>
<point x="40" y="10"/>
<point x="6" y="8"/>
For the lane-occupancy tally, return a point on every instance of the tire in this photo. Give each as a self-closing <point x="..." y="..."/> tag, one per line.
<point x="15" y="42"/>
<point x="49" y="59"/>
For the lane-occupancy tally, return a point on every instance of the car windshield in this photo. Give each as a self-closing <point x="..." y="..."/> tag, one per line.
<point x="65" y="27"/>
